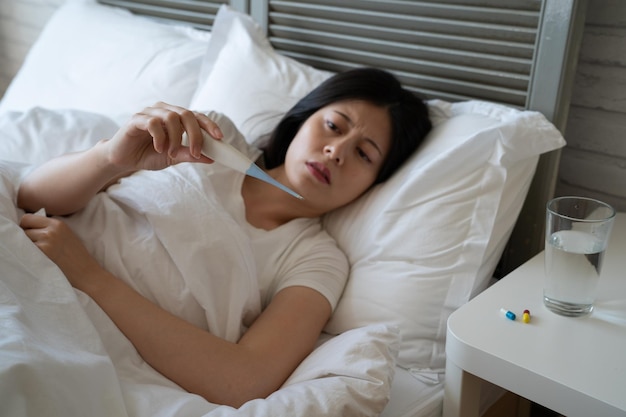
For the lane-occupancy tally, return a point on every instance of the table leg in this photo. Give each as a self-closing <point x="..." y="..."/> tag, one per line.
<point x="461" y="395"/>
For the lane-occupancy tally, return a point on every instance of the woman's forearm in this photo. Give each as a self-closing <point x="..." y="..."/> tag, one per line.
<point x="150" y="140"/>
<point x="218" y="370"/>
<point x="65" y="184"/>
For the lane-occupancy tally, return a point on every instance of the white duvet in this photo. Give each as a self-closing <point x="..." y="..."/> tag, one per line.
<point x="167" y="235"/>
<point x="60" y="355"/>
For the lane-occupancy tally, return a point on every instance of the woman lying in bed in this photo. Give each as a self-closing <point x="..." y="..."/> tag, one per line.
<point x="351" y="132"/>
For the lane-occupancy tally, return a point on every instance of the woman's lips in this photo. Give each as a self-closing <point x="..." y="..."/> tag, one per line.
<point x="319" y="171"/>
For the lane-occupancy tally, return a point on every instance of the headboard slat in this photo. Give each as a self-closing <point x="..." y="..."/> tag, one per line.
<point x="199" y="13"/>
<point x="439" y="77"/>
<point x="507" y="25"/>
<point x="490" y="56"/>
<point x="447" y="53"/>
<point x="470" y="11"/>
<point x="291" y="24"/>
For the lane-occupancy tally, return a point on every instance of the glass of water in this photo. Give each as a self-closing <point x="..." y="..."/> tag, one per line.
<point x="577" y="233"/>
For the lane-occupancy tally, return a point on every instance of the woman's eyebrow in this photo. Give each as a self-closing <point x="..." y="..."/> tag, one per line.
<point x="351" y="123"/>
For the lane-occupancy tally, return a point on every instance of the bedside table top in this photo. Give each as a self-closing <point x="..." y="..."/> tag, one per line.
<point x="576" y="366"/>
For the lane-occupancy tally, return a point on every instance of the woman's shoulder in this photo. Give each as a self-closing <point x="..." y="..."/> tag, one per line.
<point x="307" y="238"/>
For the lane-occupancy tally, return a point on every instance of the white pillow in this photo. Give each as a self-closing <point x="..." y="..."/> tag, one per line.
<point x="105" y="60"/>
<point x="246" y="80"/>
<point x="426" y="241"/>
<point x="348" y="375"/>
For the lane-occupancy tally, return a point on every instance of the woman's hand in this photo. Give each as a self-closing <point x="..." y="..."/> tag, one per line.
<point x="59" y="243"/>
<point x="152" y="138"/>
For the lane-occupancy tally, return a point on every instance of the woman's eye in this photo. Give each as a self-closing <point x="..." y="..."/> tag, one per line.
<point x="363" y="155"/>
<point x="332" y="126"/>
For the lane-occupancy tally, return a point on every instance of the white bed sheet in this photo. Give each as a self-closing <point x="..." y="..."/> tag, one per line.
<point x="412" y="397"/>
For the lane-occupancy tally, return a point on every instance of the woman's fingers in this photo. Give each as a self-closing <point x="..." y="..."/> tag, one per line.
<point x="173" y="121"/>
<point x="39" y="229"/>
<point x="164" y="125"/>
<point x="33" y="221"/>
<point x="59" y="243"/>
<point x="177" y="121"/>
<point x="209" y="125"/>
<point x="156" y="130"/>
<point x="196" y="140"/>
<point x="193" y="123"/>
<point x="190" y="124"/>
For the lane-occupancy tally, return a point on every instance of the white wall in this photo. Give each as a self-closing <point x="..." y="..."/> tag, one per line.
<point x="592" y="164"/>
<point x="20" y="24"/>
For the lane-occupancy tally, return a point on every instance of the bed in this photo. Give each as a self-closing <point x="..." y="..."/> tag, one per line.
<point x="468" y="206"/>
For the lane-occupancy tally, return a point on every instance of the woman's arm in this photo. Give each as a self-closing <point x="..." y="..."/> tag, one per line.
<point x="220" y="371"/>
<point x="65" y="184"/>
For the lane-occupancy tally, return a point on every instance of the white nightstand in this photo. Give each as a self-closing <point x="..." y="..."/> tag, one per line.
<point x="575" y="366"/>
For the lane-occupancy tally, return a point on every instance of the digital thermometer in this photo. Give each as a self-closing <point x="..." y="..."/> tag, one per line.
<point x="225" y="154"/>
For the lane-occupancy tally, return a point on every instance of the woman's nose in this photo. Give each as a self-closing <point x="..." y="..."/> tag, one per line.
<point x="335" y="151"/>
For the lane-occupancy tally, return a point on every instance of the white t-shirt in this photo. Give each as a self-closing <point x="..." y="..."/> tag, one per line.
<point x="299" y="252"/>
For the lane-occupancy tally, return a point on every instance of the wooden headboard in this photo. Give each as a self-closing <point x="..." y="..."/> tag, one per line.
<point x="517" y="52"/>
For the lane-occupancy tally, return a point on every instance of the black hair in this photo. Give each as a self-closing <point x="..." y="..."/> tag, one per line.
<point x="408" y="113"/>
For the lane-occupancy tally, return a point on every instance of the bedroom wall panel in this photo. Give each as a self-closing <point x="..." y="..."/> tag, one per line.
<point x="594" y="161"/>
<point x="21" y="22"/>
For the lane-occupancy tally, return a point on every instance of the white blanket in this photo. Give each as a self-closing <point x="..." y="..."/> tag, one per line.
<point x="60" y="355"/>
<point x="167" y="235"/>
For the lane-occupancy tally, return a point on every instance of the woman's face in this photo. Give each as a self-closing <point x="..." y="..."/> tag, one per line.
<point x="337" y="153"/>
